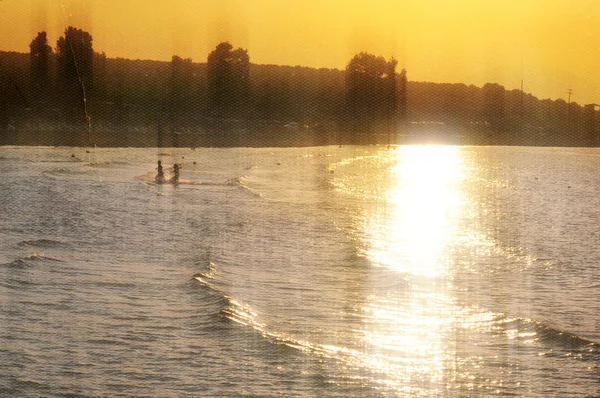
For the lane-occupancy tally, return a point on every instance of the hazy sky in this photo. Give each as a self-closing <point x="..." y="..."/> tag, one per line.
<point x="551" y="45"/>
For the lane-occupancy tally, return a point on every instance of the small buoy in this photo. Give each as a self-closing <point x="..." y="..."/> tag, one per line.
<point x="331" y="171"/>
<point x="72" y="155"/>
<point x="278" y="164"/>
<point x="87" y="151"/>
<point x="194" y="162"/>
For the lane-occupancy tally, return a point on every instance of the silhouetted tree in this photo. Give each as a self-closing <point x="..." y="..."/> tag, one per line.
<point x="181" y="82"/>
<point x="75" y="61"/>
<point x="75" y="65"/>
<point x="494" y="107"/>
<point x="371" y="96"/>
<point x="99" y="76"/>
<point x="402" y="97"/>
<point x="40" y="54"/>
<point x="229" y="79"/>
<point x="180" y="100"/>
<point x="132" y="98"/>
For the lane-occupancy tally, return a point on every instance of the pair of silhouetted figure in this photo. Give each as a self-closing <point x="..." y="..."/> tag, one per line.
<point x="160" y="175"/>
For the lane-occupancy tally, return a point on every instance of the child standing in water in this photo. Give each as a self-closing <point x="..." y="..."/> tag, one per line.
<point x="160" y="176"/>
<point x="175" y="177"/>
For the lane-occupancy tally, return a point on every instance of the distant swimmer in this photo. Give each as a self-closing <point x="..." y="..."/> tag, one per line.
<point x="175" y="177"/>
<point x="160" y="176"/>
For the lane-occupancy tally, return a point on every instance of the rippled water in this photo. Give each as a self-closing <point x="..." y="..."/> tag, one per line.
<point x="356" y="271"/>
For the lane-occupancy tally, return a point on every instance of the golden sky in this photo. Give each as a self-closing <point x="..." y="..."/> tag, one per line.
<point x="552" y="45"/>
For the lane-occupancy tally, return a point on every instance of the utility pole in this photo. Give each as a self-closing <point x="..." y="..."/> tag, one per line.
<point x="570" y="92"/>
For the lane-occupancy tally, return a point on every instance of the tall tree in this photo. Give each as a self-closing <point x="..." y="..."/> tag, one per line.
<point x="100" y="75"/>
<point x="402" y="97"/>
<point x="494" y="111"/>
<point x="75" y="66"/>
<point x="371" y="96"/>
<point x="181" y="81"/>
<point x="229" y="80"/>
<point x="75" y="59"/>
<point x="40" y="54"/>
<point x="180" y="99"/>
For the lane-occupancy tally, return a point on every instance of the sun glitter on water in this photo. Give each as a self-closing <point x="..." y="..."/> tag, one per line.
<point x="421" y="203"/>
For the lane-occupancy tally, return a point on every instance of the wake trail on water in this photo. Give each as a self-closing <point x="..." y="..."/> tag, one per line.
<point x="150" y="178"/>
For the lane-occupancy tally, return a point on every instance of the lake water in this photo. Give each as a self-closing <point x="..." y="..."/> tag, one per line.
<point x="433" y="271"/>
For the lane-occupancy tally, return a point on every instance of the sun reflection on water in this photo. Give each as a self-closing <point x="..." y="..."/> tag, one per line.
<point x="410" y="232"/>
<point x="411" y="330"/>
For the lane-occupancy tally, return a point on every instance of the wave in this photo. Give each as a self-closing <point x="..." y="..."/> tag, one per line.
<point x="207" y="183"/>
<point x="68" y="160"/>
<point x="592" y="286"/>
<point x="213" y="307"/>
<point x="236" y="311"/>
<point x="206" y="276"/>
<point x="108" y="164"/>
<point x="243" y="314"/>
<point x="31" y="260"/>
<point x="566" y="340"/>
<point x="522" y="330"/>
<point x="531" y="330"/>
<point x="60" y="172"/>
<point x="349" y="160"/>
<point x="150" y="180"/>
<point x="543" y="338"/>
<point x="371" y="365"/>
<point x="243" y="183"/>
<point x="42" y="243"/>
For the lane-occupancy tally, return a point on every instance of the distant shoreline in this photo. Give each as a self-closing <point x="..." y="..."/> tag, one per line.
<point x="140" y="104"/>
<point x="257" y="136"/>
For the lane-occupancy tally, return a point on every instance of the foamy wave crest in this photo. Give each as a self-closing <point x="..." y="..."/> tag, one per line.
<point x="242" y="182"/>
<point x="244" y="315"/>
<point x="370" y="365"/>
<point x="31" y="260"/>
<point x="207" y="276"/>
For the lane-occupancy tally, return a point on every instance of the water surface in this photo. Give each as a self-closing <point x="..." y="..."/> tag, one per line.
<point x="356" y="271"/>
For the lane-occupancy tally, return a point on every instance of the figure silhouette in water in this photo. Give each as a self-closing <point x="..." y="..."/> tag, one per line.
<point x="160" y="176"/>
<point x="175" y="177"/>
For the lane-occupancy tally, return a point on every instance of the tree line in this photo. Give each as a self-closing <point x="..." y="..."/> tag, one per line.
<point x="51" y="95"/>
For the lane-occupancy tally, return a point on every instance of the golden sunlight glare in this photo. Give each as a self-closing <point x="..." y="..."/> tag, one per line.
<point x="422" y="202"/>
